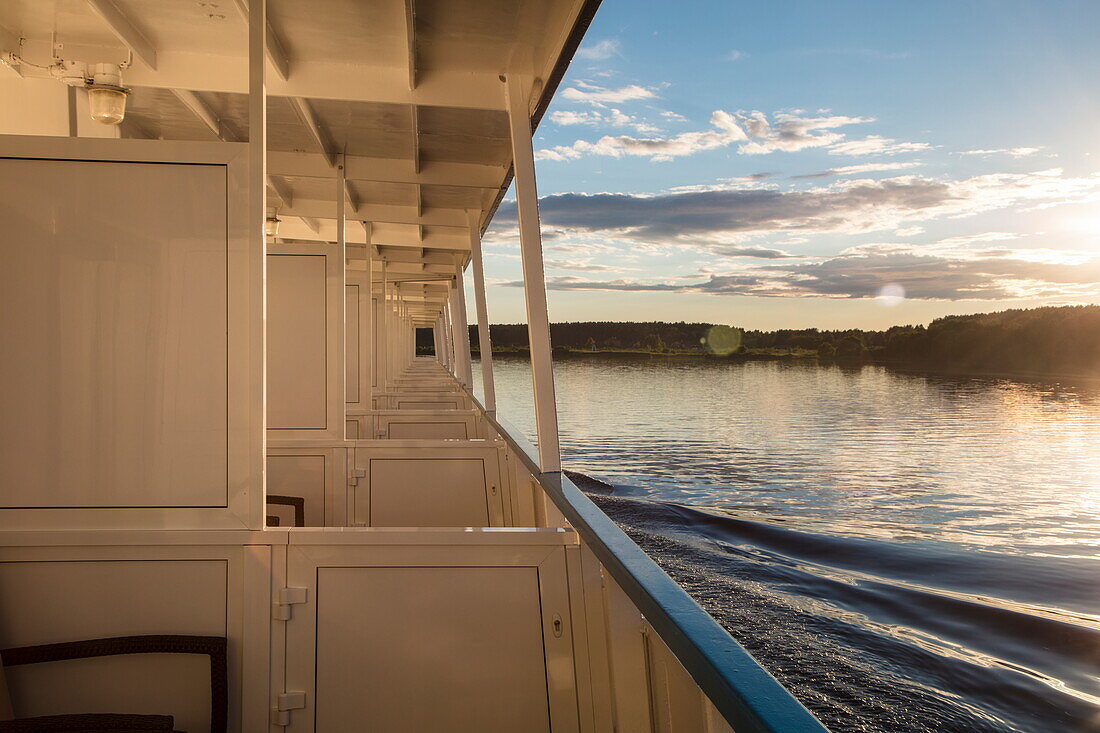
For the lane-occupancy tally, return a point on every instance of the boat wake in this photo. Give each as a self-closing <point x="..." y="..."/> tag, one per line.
<point x="879" y="635"/>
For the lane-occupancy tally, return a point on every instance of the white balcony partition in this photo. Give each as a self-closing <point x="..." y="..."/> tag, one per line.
<point x="127" y="379"/>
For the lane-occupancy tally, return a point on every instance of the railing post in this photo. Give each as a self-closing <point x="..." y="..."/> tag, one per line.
<point x="448" y="345"/>
<point x="485" y="344"/>
<point x="461" y="332"/>
<point x="534" y="280"/>
<point x="437" y="333"/>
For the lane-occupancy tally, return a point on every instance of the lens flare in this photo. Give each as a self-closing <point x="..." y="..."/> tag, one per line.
<point x="722" y="340"/>
<point x="890" y="294"/>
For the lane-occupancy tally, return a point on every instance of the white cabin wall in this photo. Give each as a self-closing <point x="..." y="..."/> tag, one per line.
<point x="75" y="593"/>
<point x="33" y="106"/>
<point x="305" y="329"/>
<point x="126" y="380"/>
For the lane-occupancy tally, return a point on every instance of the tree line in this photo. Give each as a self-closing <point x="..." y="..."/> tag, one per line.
<point x="1050" y="340"/>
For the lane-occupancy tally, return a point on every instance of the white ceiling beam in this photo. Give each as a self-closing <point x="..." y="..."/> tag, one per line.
<point x="421" y="256"/>
<point x="201" y="110"/>
<point x="319" y="134"/>
<point x="410" y="41"/>
<point x="387" y="235"/>
<point x="313" y="224"/>
<point x="389" y="170"/>
<point x="382" y="213"/>
<point x="325" y="80"/>
<point x="353" y="201"/>
<point x="282" y="190"/>
<point x="228" y="73"/>
<point x="410" y="269"/>
<point x="126" y="31"/>
<point x="276" y="55"/>
<point x="415" y="142"/>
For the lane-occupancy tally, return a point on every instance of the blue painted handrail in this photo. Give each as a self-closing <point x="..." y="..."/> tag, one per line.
<point x="744" y="693"/>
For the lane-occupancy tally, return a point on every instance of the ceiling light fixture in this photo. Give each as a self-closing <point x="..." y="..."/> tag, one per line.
<point x="106" y="95"/>
<point x="271" y="226"/>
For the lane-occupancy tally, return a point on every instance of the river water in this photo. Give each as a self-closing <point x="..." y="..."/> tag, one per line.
<point x="903" y="551"/>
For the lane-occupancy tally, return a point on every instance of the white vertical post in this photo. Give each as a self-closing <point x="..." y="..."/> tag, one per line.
<point x="437" y="337"/>
<point x="485" y="344"/>
<point x="534" y="280"/>
<point x="384" y="333"/>
<point x="257" y="213"/>
<point x="398" y="331"/>
<point x="394" y="333"/>
<point x="341" y="332"/>
<point x="461" y="333"/>
<point x="448" y="337"/>
<point x="369" y="325"/>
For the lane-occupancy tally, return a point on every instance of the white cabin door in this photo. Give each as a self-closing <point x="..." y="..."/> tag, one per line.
<point x="407" y="639"/>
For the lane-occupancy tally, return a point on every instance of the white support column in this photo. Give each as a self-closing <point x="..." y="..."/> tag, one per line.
<point x="341" y="333"/>
<point x="437" y="331"/>
<point x="257" y="214"/>
<point x="392" y="334"/>
<point x="534" y="279"/>
<point x="368" y="327"/>
<point x="384" y="333"/>
<point x="399" y="332"/>
<point x="485" y="344"/>
<point x="461" y="333"/>
<point x="448" y="338"/>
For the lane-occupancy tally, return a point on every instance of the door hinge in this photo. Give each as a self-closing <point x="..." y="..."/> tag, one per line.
<point x="356" y="474"/>
<point x="284" y="703"/>
<point x="285" y="598"/>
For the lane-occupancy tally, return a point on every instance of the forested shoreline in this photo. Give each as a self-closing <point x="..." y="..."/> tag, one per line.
<point x="1063" y="340"/>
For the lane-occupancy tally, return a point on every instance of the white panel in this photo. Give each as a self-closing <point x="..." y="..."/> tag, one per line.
<point x="376" y="350"/>
<point x="297" y="347"/>
<point x="444" y="492"/>
<point x="351" y="429"/>
<point x="303" y="476"/>
<point x="352" y="329"/>
<point x="428" y="430"/>
<point x="50" y="602"/>
<point x="430" y="649"/>
<point x="33" y="106"/>
<point x="114" y="376"/>
<point x="413" y="404"/>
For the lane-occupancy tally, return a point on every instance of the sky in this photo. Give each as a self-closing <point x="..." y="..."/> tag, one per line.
<point x="817" y="164"/>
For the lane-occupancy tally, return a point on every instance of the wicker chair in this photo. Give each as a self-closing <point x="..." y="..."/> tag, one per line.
<point x="213" y="646"/>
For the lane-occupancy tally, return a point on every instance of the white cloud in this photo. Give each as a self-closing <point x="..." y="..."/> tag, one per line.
<point x="786" y="132"/>
<point x="718" y="218"/>
<point x="863" y="272"/>
<point x="612" y="118"/>
<point x="580" y="265"/>
<point x="875" y="145"/>
<point x="592" y="94"/>
<point x="601" y="50"/>
<point x="1013" y="152"/>
<point x="791" y="132"/>
<point x="735" y="55"/>
<point x="859" y="169"/>
<point x="725" y="132"/>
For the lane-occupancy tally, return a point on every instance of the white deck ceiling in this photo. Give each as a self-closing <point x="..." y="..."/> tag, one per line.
<point x="409" y="91"/>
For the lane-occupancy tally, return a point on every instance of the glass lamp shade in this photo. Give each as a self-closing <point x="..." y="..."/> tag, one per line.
<point x="107" y="104"/>
<point x="271" y="226"/>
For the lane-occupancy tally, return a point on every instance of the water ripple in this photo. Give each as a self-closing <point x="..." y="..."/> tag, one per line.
<point x="905" y="551"/>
